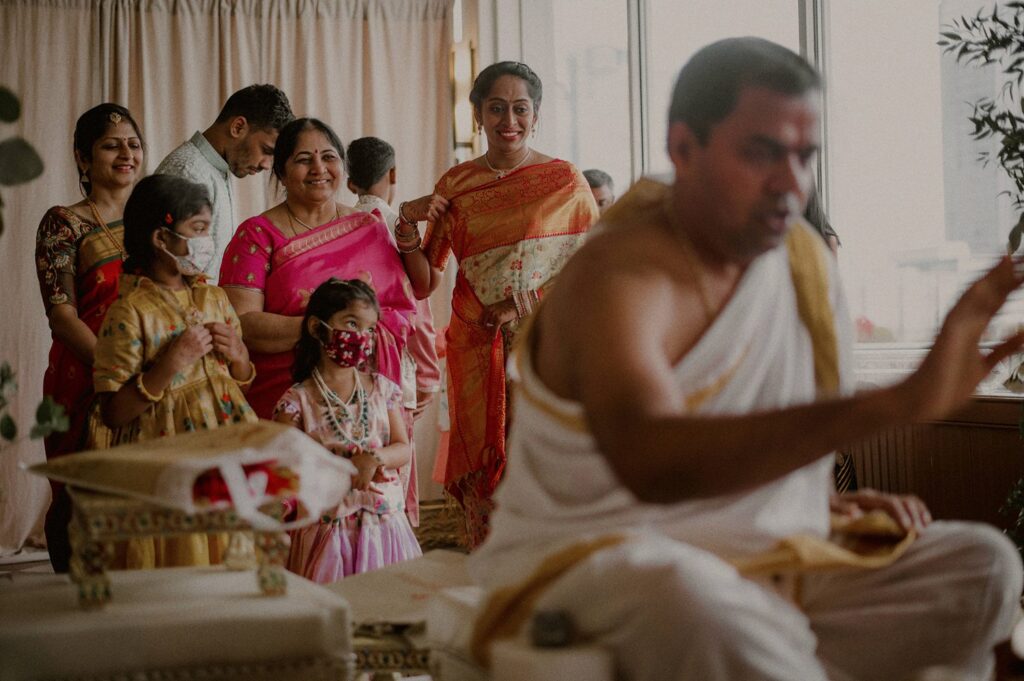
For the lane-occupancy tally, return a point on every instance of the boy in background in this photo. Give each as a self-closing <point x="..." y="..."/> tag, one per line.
<point x="371" y="177"/>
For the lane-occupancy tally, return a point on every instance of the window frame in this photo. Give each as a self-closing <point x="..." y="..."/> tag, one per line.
<point x="874" y="364"/>
<point x="872" y="361"/>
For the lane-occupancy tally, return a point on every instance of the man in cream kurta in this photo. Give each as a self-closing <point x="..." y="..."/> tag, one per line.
<point x="680" y="393"/>
<point x="240" y="143"/>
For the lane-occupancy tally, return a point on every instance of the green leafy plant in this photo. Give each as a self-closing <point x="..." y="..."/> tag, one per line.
<point x="1013" y="508"/>
<point x="19" y="161"/>
<point x="50" y="416"/>
<point x="996" y="38"/>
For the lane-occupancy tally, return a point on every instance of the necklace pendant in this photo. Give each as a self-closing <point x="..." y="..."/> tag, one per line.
<point x="194" y="317"/>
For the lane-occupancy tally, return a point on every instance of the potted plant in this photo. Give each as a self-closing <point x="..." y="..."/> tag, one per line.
<point x="997" y="38"/>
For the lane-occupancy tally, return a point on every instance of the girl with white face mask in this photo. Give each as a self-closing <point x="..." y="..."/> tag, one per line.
<point x="169" y="357"/>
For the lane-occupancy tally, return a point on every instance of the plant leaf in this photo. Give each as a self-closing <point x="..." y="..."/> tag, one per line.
<point x="50" y="418"/>
<point x="19" y="162"/>
<point x="8" y="429"/>
<point x="10" y="107"/>
<point x="1015" y="236"/>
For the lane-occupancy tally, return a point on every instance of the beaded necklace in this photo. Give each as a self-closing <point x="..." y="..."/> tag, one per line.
<point x="358" y="414"/>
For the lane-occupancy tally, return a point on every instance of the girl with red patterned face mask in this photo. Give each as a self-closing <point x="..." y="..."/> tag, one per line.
<point x="354" y="411"/>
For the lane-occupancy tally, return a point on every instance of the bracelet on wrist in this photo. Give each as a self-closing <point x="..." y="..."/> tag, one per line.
<point x="150" y="397"/>
<point x="247" y="382"/>
<point x="525" y="302"/>
<point x="517" y="301"/>
<point x="411" y="249"/>
<point x="401" y="214"/>
<point x="410" y="235"/>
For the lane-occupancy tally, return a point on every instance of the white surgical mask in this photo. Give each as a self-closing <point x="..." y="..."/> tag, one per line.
<point x="201" y="251"/>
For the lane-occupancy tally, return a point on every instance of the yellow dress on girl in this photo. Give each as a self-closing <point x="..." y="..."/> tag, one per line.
<point x="141" y="325"/>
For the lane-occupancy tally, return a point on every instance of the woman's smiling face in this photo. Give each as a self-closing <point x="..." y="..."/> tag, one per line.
<point x="314" y="170"/>
<point x="507" y="114"/>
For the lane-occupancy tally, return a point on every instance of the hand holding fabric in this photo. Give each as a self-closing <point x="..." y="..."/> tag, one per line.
<point x="908" y="510"/>
<point x="193" y="343"/>
<point x="228" y="343"/>
<point x="429" y="207"/>
<point x="499" y="314"/>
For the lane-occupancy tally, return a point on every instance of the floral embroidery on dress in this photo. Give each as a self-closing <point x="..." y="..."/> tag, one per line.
<point x="138" y="327"/>
<point x="56" y="247"/>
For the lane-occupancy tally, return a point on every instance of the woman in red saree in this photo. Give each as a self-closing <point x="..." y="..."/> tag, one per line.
<point x="512" y="218"/>
<point x="79" y="251"/>
<point x="276" y="260"/>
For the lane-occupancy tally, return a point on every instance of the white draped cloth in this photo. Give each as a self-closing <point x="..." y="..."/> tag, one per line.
<point x="666" y="600"/>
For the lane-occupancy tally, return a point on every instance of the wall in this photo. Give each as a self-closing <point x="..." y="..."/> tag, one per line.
<point x="962" y="467"/>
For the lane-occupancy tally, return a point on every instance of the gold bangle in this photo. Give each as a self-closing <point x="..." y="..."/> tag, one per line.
<point x="414" y="233"/>
<point x="247" y="382"/>
<point x="145" y="393"/>
<point x="401" y="214"/>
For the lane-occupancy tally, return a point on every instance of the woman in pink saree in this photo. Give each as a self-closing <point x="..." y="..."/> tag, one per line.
<point x="276" y="260"/>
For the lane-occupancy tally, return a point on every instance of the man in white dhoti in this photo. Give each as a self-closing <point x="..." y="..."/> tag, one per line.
<point x="679" y="398"/>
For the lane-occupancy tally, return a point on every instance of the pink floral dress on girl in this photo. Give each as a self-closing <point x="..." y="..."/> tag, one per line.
<point x="368" y="530"/>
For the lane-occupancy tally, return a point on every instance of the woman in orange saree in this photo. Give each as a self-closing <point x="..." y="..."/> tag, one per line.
<point x="79" y="252"/>
<point x="512" y="218"/>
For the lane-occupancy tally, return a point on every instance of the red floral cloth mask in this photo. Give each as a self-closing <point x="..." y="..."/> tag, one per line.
<point x="348" y="348"/>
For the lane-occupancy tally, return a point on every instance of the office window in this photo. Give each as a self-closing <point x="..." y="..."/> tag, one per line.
<point x="918" y="216"/>
<point x="580" y="50"/>
<point x="675" y="30"/>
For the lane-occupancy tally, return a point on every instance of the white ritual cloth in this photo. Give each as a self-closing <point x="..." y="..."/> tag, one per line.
<point x="558" y="489"/>
<point x="668" y="604"/>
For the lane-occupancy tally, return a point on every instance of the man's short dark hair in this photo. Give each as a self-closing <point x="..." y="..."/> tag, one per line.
<point x="598" y="178"/>
<point x="369" y="158"/>
<point x="264" y="107"/>
<point x="709" y="85"/>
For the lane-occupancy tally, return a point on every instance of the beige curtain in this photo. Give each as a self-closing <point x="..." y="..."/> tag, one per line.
<point x="366" y="67"/>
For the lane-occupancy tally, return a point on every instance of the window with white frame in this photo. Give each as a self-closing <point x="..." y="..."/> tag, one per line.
<point x="675" y="30"/>
<point x="580" y="49"/>
<point x="919" y="217"/>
